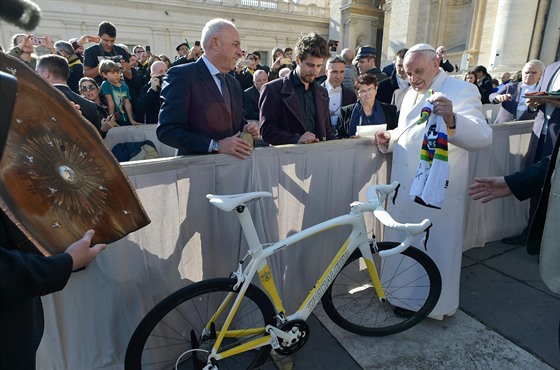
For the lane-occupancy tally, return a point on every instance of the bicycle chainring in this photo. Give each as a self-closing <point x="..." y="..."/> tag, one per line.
<point x="286" y="348"/>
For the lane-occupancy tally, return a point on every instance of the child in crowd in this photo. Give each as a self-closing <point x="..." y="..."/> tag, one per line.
<point x="116" y="93"/>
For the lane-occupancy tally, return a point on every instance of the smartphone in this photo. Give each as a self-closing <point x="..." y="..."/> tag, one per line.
<point x="37" y="40"/>
<point x="243" y="62"/>
<point x="286" y="61"/>
<point x="148" y="49"/>
<point x="197" y="43"/>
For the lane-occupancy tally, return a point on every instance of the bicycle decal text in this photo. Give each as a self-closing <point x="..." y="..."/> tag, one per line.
<point x="327" y="282"/>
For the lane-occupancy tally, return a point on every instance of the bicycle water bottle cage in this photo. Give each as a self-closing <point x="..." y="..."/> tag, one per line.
<point x="240" y="277"/>
<point x="396" y="193"/>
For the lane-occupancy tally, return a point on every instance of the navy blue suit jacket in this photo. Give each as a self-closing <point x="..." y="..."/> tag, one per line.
<point x="193" y="111"/>
<point x="508" y="111"/>
<point x="251" y="103"/>
<point x="282" y="117"/>
<point x="87" y="107"/>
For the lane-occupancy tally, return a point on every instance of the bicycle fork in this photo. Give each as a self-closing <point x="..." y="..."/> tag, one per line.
<point x="372" y="270"/>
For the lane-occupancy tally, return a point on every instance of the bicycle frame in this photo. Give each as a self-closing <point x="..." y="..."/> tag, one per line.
<point x="357" y="239"/>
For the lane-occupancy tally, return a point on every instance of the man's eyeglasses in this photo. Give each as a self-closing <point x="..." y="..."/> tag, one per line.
<point x="87" y="88"/>
<point x="138" y="51"/>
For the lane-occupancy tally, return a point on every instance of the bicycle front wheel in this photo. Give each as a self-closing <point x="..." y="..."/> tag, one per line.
<point x="410" y="280"/>
<point x="177" y="325"/>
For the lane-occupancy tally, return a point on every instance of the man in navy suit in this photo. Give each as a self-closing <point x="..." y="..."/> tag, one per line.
<point x="55" y="69"/>
<point x="295" y="109"/>
<point x="514" y="107"/>
<point x="397" y="80"/>
<point x="339" y="96"/>
<point x="200" y="113"/>
<point x="251" y="95"/>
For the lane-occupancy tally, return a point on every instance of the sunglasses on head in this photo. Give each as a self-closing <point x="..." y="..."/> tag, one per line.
<point x="87" y="88"/>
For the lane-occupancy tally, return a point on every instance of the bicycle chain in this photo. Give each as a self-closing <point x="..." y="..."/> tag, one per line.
<point x="266" y="363"/>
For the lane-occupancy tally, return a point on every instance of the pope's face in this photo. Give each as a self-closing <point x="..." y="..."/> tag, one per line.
<point x="420" y="70"/>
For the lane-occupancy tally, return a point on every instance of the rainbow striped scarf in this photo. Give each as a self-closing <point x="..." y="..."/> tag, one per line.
<point x="432" y="175"/>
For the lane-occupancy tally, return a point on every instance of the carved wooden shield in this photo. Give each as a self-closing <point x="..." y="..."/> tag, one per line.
<point x="57" y="177"/>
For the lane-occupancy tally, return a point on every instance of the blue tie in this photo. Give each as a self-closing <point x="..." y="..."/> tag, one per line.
<point x="225" y="90"/>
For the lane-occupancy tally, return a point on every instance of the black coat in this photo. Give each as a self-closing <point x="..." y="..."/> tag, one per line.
<point x="386" y="88"/>
<point x="24" y="277"/>
<point x="345" y="118"/>
<point x="251" y="103"/>
<point x="87" y="107"/>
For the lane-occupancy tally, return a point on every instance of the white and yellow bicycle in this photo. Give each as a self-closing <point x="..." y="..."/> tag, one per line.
<point x="230" y="323"/>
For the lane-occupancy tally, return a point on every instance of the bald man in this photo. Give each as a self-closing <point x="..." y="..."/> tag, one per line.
<point x="251" y="95"/>
<point x="149" y="103"/>
<point x="444" y="63"/>
<point x="202" y="104"/>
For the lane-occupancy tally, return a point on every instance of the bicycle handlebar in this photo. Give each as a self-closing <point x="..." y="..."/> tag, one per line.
<point x="376" y="194"/>
<point x="373" y="192"/>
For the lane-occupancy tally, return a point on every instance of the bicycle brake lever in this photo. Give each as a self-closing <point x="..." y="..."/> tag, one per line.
<point x="396" y="193"/>
<point x="425" y="240"/>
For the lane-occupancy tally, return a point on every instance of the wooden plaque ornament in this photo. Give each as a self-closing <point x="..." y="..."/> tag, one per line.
<point x="58" y="179"/>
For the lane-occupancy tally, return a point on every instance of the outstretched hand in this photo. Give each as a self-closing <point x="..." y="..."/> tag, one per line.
<point x="487" y="189"/>
<point x="81" y="252"/>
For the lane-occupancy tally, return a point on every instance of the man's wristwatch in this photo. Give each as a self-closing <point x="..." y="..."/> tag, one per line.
<point x="215" y="146"/>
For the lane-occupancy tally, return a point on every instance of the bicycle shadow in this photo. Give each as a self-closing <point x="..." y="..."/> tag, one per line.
<point x="311" y="187"/>
<point x="107" y="301"/>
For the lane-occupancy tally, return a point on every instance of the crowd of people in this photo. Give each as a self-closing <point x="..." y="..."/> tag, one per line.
<point x="217" y="98"/>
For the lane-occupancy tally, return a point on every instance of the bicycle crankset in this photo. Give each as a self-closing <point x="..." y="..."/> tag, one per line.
<point x="295" y="326"/>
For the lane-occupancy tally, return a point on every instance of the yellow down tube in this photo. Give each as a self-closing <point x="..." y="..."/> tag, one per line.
<point x="267" y="280"/>
<point x="375" y="278"/>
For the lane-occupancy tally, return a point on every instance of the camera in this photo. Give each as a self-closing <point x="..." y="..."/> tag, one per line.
<point x="286" y="61"/>
<point x="38" y="40"/>
<point x="148" y="49"/>
<point x="333" y="45"/>
<point x="243" y="62"/>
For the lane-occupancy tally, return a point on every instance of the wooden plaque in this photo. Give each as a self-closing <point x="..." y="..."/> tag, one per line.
<point x="58" y="179"/>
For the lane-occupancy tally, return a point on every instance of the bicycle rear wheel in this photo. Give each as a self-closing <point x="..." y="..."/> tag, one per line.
<point x="176" y="325"/>
<point x="410" y="280"/>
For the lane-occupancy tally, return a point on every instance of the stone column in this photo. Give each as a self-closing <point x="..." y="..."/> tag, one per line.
<point x="513" y="19"/>
<point x="361" y="20"/>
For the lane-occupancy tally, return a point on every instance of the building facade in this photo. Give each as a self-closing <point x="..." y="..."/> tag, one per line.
<point x="499" y="34"/>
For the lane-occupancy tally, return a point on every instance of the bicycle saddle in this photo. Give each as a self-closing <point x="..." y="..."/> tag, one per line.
<point x="229" y="202"/>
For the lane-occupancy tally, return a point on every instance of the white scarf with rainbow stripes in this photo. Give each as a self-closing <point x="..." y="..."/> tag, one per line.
<point x="432" y="176"/>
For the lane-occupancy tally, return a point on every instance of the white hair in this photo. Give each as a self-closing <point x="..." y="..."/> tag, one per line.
<point x="257" y="73"/>
<point x="212" y="28"/>
<point x="540" y="65"/>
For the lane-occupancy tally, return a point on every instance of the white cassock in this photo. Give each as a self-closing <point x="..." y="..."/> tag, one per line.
<point x="445" y="244"/>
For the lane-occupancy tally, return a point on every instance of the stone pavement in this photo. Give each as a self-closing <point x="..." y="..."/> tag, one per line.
<point x="508" y="319"/>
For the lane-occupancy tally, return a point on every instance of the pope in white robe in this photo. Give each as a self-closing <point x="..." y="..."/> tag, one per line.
<point x="467" y="129"/>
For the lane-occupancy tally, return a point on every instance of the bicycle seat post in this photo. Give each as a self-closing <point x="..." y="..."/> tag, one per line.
<point x="249" y="230"/>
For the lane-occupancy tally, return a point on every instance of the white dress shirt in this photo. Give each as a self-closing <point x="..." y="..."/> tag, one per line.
<point x="335" y="101"/>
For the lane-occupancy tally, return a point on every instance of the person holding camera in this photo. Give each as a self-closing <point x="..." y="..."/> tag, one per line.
<point x="147" y="109"/>
<point x="279" y="61"/>
<point x="187" y="55"/>
<point x="106" y="49"/>
<point x="244" y="71"/>
<point x="23" y="47"/>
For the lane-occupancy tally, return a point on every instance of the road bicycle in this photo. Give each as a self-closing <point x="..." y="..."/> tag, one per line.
<point x="230" y="323"/>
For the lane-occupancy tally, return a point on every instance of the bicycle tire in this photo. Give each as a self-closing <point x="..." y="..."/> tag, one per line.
<point x="166" y="331"/>
<point x="352" y="303"/>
